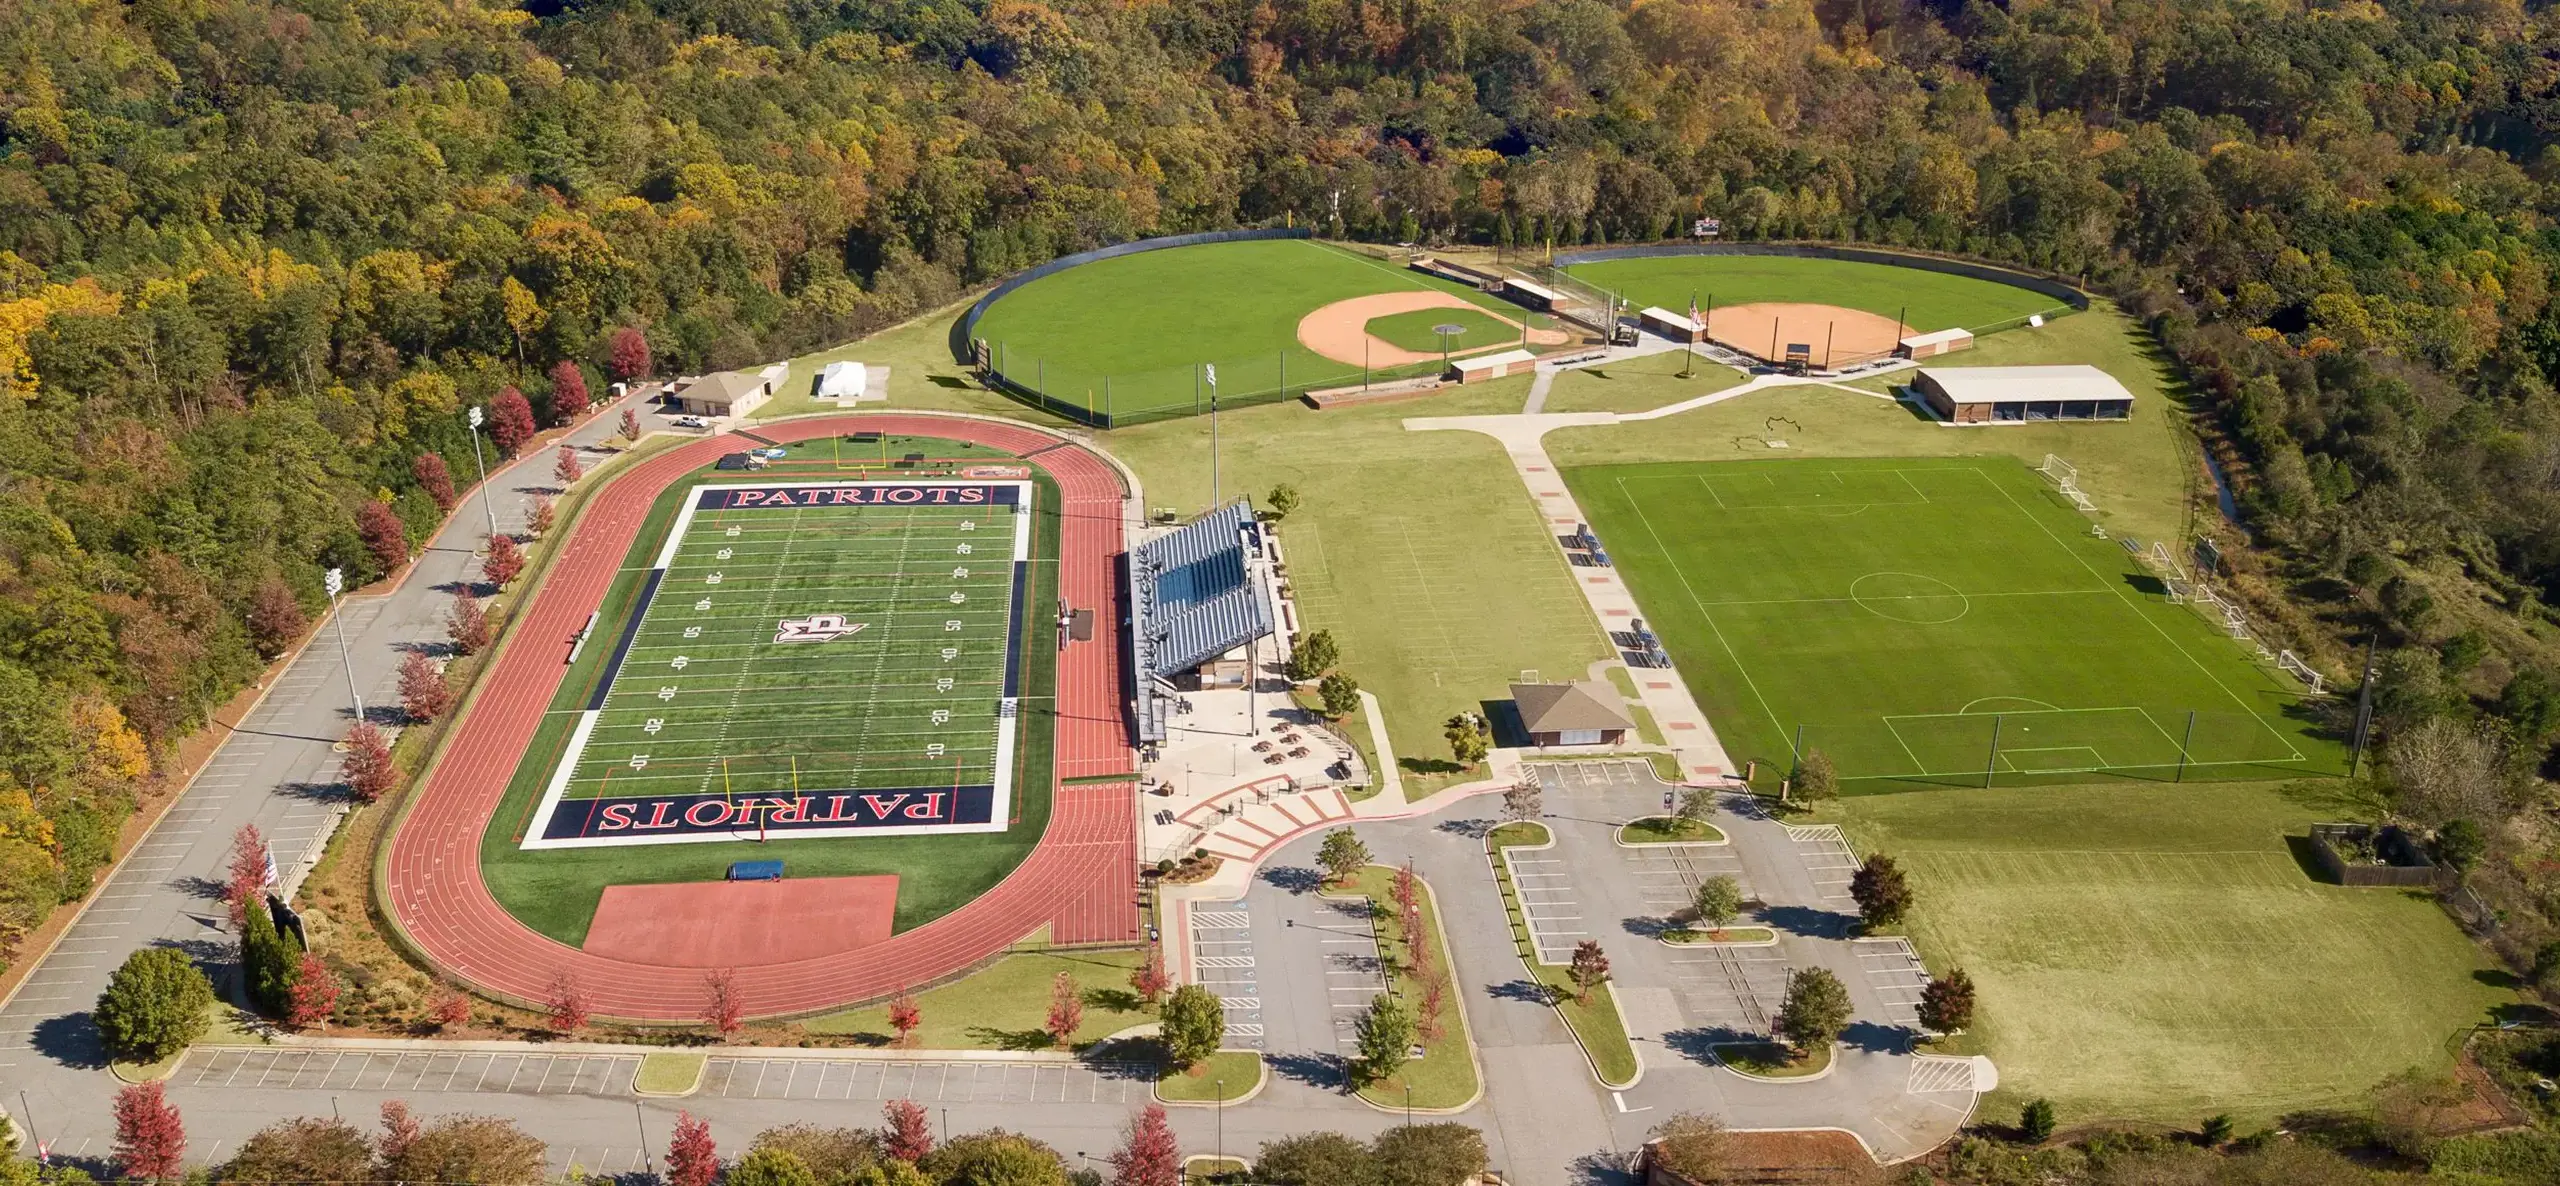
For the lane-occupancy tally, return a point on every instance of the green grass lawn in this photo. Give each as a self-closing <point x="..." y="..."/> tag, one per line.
<point x="1240" y="1071"/>
<point x="1417" y="330"/>
<point x="1445" y="1075"/>
<point x="1410" y="547"/>
<point x="2159" y="954"/>
<point x="2141" y="472"/>
<point x="1147" y="322"/>
<point x="1638" y="384"/>
<point x="1669" y="829"/>
<point x="1003" y="1006"/>
<point x="1935" y="623"/>
<point x="1595" y="1023"/>
<point x="555" y="890"/>
<point x="1925" y="300"/>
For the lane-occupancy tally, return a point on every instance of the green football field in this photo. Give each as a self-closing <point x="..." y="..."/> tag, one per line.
<point x="715" y="694"/>
<point x="1129" y="335"/>
<point x="1935" y="623"/>
<point x="850" y="710"/>
<point x="1925" y="300"/>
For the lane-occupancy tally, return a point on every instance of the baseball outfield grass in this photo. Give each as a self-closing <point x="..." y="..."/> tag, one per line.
<point x="2162" y="953"/>
<point x="1146" y="323"/>
<point x="1924" y="300"/>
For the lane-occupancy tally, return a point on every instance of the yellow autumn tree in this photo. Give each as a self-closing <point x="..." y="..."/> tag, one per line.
<point x="110" y="750"/>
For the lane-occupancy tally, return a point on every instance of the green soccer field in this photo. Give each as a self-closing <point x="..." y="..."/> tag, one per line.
<point x="1128" y="335"/>
<point x="1925" y="300"/>
<point x="1935" y="623"/>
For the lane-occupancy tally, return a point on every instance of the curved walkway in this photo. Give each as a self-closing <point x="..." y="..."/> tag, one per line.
<point x="1079" y="881"/>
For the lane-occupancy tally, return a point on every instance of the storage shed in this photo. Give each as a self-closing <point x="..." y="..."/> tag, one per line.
<point x="2021" y="395"/>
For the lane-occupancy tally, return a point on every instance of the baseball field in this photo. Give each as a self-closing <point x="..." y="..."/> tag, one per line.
<point x="1141" y="336"/>
<point x="1922" y="300"/>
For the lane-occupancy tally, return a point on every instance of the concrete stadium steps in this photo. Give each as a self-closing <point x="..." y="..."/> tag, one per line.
<point x="1263" y="827"/>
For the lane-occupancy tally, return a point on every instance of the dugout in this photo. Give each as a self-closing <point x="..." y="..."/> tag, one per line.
<point x="1530" y="293"/>
<point x="1933" y="344"/>
<point x="2022" y="395"/>
<point x="1492" y="366"/>
<point x="1672" y="325"/>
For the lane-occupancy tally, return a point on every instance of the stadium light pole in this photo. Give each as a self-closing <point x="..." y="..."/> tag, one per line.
<point x="483" y="466"/>
<point x="1211" y="370"/>
<point x="336" y="582"/>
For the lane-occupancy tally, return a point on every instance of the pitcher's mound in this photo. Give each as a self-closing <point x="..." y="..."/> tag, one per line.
<point x="738" y="924"/>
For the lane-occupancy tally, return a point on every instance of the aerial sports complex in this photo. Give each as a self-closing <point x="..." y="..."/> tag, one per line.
<point x="878" y="680"/>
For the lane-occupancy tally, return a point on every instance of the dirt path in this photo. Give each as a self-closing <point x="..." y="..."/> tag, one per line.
<point x="1340" y="331"/>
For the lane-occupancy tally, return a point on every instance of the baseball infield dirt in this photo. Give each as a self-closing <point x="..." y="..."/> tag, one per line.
<point x="1340" y="331"/>
<point x="1837" y="337"/>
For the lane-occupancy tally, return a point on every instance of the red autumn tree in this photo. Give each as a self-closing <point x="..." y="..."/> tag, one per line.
<point x="692" y="1158"/>
<point x="1590" y="968"/>
<point x="150" y="1138"/>
<point x="367" y="767"/>
<point x="399" y="1130"/>
<point x="568" y="392"/>
<point x="1150" y="979"/>
<point x="248" y="873"/>
<point x="1149" y="1155"/>
<point x="1405" y="890"/>
<point x="503" y="562"/>
<point x="566" y="470"/>
<point x="510" y="421"/>
<point x="435" y="479"/>
<point x="567" y="1004"/>
<point x="424" y="694"/>
<point x="1435" y="1000"/>
<point x="722" y="1008"/>
<point x="910" y="1136"/>
<point x="275" y="617"/>
<point x="540" y="518"/>
<point x="315" y="994"/>
<point x="631" y="424"/>
<point x="628" y="355"/>
<point x="384" y="537"/>
<point x="467" y="625"/>
<point x="1066" y="1009"/>
<point x="904" y="1017"/>
<point x="448" y="1008"/>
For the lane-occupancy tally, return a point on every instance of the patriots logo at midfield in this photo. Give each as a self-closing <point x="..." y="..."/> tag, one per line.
<point x="815" y="628"/>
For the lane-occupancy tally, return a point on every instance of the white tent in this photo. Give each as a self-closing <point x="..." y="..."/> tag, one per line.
<point x="842" y="380"/>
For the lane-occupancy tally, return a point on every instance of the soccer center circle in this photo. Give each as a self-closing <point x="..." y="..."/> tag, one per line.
<point x="1909" y="597"/>
<point x="1077" y="880"/>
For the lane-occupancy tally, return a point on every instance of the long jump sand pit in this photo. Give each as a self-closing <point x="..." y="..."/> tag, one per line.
<point x="1340" y="331"/>
<point x="729" y="924"/>
<point x="1837" y="337"/>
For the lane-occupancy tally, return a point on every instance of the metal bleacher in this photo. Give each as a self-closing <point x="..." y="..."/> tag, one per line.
<point x="1192" y="598"/>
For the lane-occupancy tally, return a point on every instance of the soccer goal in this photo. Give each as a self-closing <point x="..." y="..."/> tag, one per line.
<point x="2066" y="481"/>
<point x="2291" y="662"/>
<point x="2163" y="561"/>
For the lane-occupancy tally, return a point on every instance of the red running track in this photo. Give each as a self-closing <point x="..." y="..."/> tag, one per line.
<point x="1080" y="880"/>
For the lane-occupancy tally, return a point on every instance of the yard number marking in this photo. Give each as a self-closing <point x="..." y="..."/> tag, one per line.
<point x="678" y="662"/>
<point x="950" y="653"/>
<point x="655" y="724"/>
<point x="959" y="574"/>
<point x="943" y="684"/>
<point x="735" y="529"/>
<point x="964" y="549"/>
<point x="693" y="632"/>
<point x="934" y="750"/>
<point x="942" y="716"/>
<point x="666" y="691"/>
<point x="703" y="604"/>
<point x="968" y="525"/>
<point x="723" y="554"/>
<point x="639" y="761"/>
<point x="957" y="597"/>
<point x="713" y="579"/>
<point x="950" y="624"/>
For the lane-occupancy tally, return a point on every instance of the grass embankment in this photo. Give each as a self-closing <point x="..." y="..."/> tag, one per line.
<point x="1670" y="829"/>
<point x="1595" y="1022"/>
<point x="2137" y="950"/>
<point x="1228" y="1075"/>
<point x="1003" y="1006"/>
<point x="1445" y="1075"/>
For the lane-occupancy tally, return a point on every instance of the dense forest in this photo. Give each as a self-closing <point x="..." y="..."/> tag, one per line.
<point x="256" y="255"/>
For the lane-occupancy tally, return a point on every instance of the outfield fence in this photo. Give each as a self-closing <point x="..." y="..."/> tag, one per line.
<point x="2054" y="287"/>
<point x="1119" y="399"/>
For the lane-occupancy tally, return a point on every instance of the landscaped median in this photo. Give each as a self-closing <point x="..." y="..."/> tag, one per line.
<point x="1772" y="1060"/>
<point x="1728" y="937"/>
<point x="1227" y="1077"/>
<point x="1669" y="829"/>
<point x="1595" y="1022"/>
<point x="1445" y="1077"/>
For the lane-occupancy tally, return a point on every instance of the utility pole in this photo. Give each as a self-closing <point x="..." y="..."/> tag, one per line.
<point x="483" y="465"/>
<point x="336" y="582"/>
